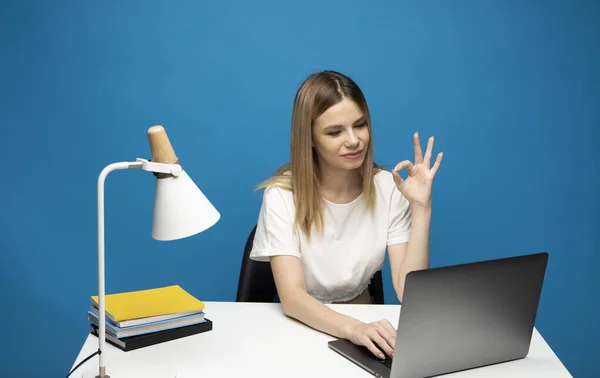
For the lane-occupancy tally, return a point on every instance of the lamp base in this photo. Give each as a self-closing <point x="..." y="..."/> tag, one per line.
<point x="103" y="373"/>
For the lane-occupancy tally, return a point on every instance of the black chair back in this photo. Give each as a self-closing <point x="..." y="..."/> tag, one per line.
<point x="256" y="283"/>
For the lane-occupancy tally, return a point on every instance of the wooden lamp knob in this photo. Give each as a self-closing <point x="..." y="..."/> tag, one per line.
<point x="162" y="151"/>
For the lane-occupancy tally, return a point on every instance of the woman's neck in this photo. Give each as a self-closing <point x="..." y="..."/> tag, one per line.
<point x="340" y="186"/>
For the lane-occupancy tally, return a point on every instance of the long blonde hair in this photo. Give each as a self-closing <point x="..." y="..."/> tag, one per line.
<point x="317" y="93"/>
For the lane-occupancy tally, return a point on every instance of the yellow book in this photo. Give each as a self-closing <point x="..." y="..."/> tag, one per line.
<point x="146" y="303"/>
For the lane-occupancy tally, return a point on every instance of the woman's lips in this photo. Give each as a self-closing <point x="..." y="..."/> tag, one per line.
<point x="354" y="155"/>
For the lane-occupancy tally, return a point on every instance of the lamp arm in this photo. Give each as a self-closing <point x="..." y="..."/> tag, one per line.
<point x="172" y="169"/>
<point x="101" y="304"/>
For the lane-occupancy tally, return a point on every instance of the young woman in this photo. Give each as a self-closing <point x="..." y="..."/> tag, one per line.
<point x="328" y="216"/>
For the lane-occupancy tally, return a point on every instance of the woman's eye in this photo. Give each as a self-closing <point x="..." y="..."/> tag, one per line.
<point x="361" y="125"/>
<point x="334" y="133"/>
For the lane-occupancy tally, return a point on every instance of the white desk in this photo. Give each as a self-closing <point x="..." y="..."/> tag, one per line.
<point x="258" y="340"/>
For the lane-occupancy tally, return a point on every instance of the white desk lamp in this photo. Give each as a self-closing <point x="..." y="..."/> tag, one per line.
<point x="180" y="210"/>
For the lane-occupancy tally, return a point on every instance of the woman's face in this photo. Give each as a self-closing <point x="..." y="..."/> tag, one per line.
<point x="341" y="136"/>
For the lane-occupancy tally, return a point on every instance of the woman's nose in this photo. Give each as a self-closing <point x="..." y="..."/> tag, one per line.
<point x="352" y="139"/>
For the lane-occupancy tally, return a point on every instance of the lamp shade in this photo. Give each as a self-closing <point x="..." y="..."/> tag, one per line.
<point x="180" y="209"/>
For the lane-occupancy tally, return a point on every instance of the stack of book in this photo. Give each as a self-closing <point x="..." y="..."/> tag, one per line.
<point x="141" y="318"/>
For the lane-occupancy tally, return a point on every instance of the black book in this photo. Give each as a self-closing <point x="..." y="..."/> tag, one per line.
<point x="140" y="341"/>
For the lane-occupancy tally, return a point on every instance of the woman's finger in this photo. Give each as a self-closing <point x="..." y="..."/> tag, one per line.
<point x="387" y="338"/>
<point x="371" y="346"/>
<point x="417" y="146"/>
<point x="403" y="164"/>
<point x="397" y="179"/>
<point x="390" y="332"/>
<point x="395" y="172"/>
<point x="427" y="159"/>
<point x="437" y="163"/>
<point x="383" y="344"/>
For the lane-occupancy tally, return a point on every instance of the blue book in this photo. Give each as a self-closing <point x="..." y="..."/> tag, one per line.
<point x="120" y="332"/>
<point x="146" y="320"/>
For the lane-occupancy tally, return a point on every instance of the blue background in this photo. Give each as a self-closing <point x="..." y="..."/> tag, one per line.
<point x="510" y="89"/>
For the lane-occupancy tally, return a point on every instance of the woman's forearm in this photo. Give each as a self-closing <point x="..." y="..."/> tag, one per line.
<point x="417" y="255"/>
<point x="306" y="309"/>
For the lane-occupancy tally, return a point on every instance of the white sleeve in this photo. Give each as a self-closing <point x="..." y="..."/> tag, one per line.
<point x="275" y="228"/>
<point x="400" y="219"/>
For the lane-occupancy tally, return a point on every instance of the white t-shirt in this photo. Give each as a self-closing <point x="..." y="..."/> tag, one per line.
<point x="338" y="264"/>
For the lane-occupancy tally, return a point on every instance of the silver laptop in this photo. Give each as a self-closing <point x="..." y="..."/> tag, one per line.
<point x="460" y="317"/>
